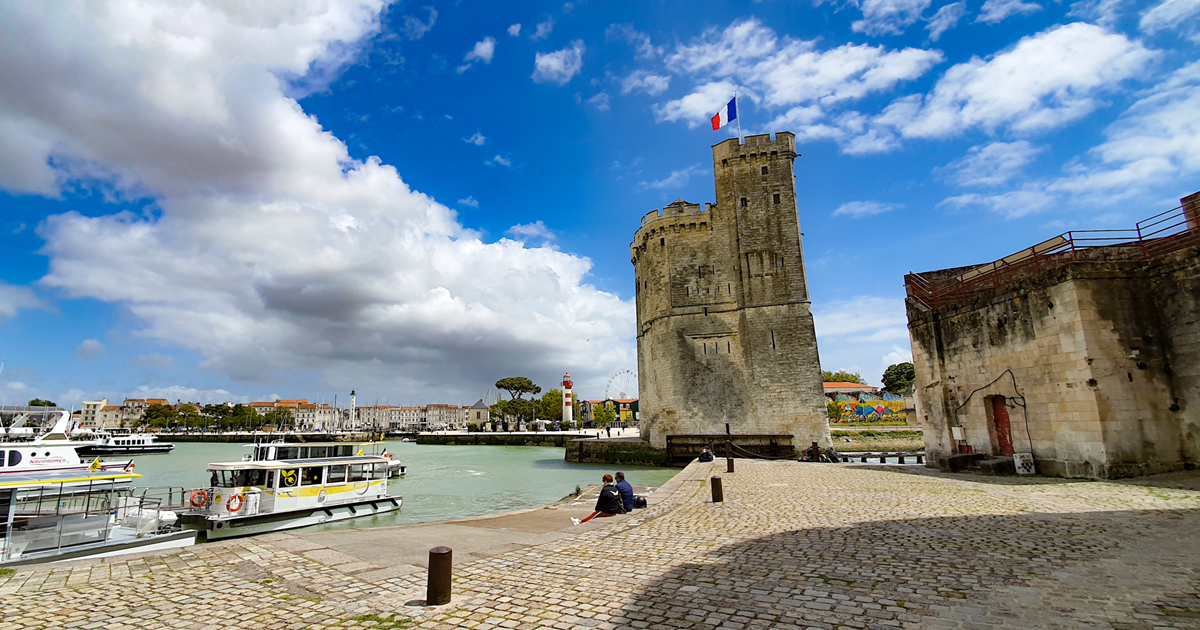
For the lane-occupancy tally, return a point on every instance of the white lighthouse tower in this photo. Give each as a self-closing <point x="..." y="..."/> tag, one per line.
<point x="568" y="413"/>
<point x="353" y="412"/>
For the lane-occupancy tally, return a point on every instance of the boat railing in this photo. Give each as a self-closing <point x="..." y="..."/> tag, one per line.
<point x="171" y="497"/>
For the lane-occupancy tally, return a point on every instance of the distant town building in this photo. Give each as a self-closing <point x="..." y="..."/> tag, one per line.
<point x="479" y="413"/>
<point x="90" y="413"/>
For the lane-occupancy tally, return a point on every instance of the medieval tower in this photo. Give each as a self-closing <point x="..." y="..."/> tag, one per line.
<point x="725" y="332"/>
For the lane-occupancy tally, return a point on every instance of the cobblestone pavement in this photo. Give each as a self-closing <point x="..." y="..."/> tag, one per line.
<point x="793" y="546"/>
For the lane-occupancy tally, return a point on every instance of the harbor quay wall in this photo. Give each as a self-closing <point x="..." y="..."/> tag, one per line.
<point x="496" y="439"/>
<point x="625" y="451"/>
<point x="245" y="438"/>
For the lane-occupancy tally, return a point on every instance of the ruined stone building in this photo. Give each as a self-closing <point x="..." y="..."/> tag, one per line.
<point x="1083" y="350"/>
<point x="725" y="333"/>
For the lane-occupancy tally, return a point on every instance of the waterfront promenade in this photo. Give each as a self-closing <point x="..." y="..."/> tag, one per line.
<point x="793" y="546"/>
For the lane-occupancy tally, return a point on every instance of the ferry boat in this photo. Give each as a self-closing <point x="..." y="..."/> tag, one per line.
<point x="64" y="515"/>
<point x="124" y="444"/>
<point x="50" y="452"/>
<point x="279" y="449"/>
<point x="251" y="497"/>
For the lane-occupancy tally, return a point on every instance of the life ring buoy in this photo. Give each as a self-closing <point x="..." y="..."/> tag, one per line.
<point x="199" y="498"/>
<point x="234" y="503"/>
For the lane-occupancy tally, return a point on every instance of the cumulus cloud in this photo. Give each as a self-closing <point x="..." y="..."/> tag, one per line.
<point x="533" y="230"/>
<point x="541" y="31"/>
<point x="600" y="101"/>
<point x="994" y="11"/>
<point x="945" y="19"/>
<point x="992" y="164"/>
<point x="272" y="249"/>
<point x="476" y="139"/>
<point x="640" y="41"/>
<point x="154" y="360"/>
<point x="1013" y="204"/>
<point x="483" y="51"/>
<point x="89" y="349"/>
<point x="888" y="17"/>
<point x="851" y="333"/>
<point x="414" y="28"/>
<point x="14" y="298"/>
<point x="501" y="160"/>
<point x="1169" y="14"/>
<point x="1044" y="81"/>
<point x="696" y="108"/>
<point x="861" y="209"/>
<point x="559" y="66"/>
<point x="514" y="30"/>
<point x="676" y="180"/>
<point x="645" y="81"/>
<point x="469" y="202"/>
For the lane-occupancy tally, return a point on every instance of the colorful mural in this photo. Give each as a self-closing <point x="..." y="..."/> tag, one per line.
<point x="869" y="411"/>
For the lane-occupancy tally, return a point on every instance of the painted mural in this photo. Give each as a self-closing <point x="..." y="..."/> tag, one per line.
<point x="871" y="410"/>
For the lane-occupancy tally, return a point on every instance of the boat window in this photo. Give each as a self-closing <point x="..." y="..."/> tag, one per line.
<point x="310" y="476"/>
<point x="337" y="474"/>
<point x="358" y="472"/>
<point x="270" y="480"/>
<point x="381" y="471"/>
<point x="14" y="458"/>
<point x="345" y="451"/>
<point x="270" y="453"/>
<point x="1" y="459"/>
<point x="289" y="477"/>
<point x="289" y="452"/>
<point x="318" y="451"/>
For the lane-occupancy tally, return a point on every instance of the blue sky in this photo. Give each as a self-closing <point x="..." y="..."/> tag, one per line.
<point x="416" y="199"/>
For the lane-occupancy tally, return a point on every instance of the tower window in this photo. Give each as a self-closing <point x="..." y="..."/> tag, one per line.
<point x="745" y="202"/>
<point x="662" y="241"/>
<point x="764" y="170"/>
<point x="772" y="339"/>
<point x="727" y="350"/>
<point x="776" y="198"/>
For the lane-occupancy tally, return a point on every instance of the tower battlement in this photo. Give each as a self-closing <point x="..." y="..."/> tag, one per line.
<point x="725" y="334"/>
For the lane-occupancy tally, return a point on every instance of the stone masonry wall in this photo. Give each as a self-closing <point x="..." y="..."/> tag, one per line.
<point x="725" y="333"/>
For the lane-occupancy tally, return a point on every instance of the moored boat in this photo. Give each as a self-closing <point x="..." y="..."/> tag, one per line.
<point x="51" y="453"/>
<point x="124" y="444"/>
<point x="276" y="450"/>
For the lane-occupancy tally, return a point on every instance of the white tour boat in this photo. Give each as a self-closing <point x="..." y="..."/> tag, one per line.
<point x="64" y="515"/>
<point x="251" y="497"/>
<point x="104" y="443"/>
<point x="279" y="449"/>
<point x="50" y="452"/>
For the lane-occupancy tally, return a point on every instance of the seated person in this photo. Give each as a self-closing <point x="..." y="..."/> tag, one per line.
<point x="626" y="491"/>
<point x="607" y="504"/>
<point x="705" y="455"/>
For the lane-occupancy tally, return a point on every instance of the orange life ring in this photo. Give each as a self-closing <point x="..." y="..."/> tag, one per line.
<point x="233" y="507"/>
<point x="199" y="498"/>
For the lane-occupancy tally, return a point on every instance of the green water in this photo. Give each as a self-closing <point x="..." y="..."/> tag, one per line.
<point x="443" y="482"/>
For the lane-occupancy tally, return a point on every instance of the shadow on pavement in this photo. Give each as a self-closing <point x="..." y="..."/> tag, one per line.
<point x="1133" y="569"/>
<point x="1183" y="480"/>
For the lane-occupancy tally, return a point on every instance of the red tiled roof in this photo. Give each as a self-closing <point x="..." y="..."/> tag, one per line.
<point x="845" y="385"/>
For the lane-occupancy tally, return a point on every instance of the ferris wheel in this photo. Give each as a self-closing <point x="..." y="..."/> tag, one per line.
<point x="622" y="385"/>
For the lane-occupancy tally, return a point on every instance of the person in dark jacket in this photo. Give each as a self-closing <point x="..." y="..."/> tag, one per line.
<point x="705" y="455"/>
<point x="626" y="491"/>
<point x="607" y="504"/>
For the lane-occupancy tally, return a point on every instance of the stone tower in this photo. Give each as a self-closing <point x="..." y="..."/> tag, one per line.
<point x="725" y="333"/>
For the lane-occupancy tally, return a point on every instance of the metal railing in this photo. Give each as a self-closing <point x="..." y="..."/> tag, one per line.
<point x="1151" y="238"/>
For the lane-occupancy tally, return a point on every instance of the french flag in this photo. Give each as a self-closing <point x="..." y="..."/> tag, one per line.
<point x="727" y="115"/>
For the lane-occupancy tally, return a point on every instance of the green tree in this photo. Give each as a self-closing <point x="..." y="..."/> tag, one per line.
<point x="189" y="416"/>
<point x="603" y="414"/>
<point x="835" y="411"/>
<point x="550" y="406"/>
<point x="280" y="417"/>
<point x="899" y="377"/>
<point x="842" y="376"/>
<point x="38" y="402"/>
<point x="518" y="386"/>
<point x="158" y="416"/>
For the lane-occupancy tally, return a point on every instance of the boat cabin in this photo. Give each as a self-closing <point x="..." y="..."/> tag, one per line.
<point x="278" y="451"/>
<point x="239" y="489"/>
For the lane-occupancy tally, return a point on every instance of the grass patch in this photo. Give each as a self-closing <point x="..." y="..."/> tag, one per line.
<point x="386" y="623"/>
<point x="7" y="572"/>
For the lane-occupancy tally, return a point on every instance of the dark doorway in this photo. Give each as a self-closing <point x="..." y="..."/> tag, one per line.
<point x="1003" y="430"/>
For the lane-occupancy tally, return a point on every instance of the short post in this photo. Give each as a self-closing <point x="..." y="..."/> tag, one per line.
<point x="882" y="458"/>
<point x="864" y="459"/>
<point x="438" y="590"/>
<point x="899" y="459"/>
<point x="728" y="450"/>
<point x="920" y="459"/>
<point x="718" y="494"/>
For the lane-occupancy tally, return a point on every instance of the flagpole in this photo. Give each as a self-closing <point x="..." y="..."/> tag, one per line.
<point x="739" y="116"/>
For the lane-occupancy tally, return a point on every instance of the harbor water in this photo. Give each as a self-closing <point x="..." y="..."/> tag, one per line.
<point x="443" y="482"/>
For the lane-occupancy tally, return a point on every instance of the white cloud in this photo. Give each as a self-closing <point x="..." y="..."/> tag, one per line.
<point x="413" y="28"/>
<point x="644" y="81"/>
<point x="528" y="231"/>
<point x="1012" y="205"/>
<point x="14" y="298"/>
<point x="640" y="41"/>
<point x="514" y="30"/>
<point x="600" y="101"/>
<point x="1102" y="12"/>
<point x="897" y="355"/>
<point x="155" y="360"/>
<point x="89" y="349"/>
<point x="888" y="17"/>
<point x="501" y="160"/>
<point x="186" y="394"/>
<point x="945" y="19"/>
<point x="482" y="51"/>
<point x="1045" y="81"/>
<point x="723" y="53"/>
<point x="272" y="250"/>
<point x="861" y="319"/>
<point x="677" y="179"/>
<point x="559" y="66"/>
<point x="470" y="202"/>
<point x="697" y="107"/>
<point x="992" y="164"/>
<point x="476" y="139"/>
<point x="994" y="11"/>
<point x="861" y="209"/>
<point x="542" y="31"/>
<point x="1169" y="14"/>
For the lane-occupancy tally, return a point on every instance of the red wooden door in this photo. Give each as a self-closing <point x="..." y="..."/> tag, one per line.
<point x="1003" y="430"/>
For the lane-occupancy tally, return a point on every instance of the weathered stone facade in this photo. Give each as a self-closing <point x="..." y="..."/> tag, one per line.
<point x="725" y="333"/>
<point x="1094" y="356"/>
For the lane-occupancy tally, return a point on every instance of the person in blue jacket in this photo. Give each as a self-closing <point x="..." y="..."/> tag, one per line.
<point x="626" y="492"/>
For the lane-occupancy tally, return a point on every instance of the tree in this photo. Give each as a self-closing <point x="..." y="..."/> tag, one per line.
<point x="518" y="386"/>
<point x="842" y="376"/>
<point x="38" y="402"/>
<point x="835" y="411"/>
<point x="899" y="377"/>
<point x="550" y="407"/>
<point x="603" y="414"/>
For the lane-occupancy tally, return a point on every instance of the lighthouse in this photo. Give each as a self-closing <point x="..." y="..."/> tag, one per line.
<point x="568" y="415"/>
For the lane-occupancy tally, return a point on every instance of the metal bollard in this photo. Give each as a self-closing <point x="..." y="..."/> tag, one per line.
<point x="718" y="493"/>
<point x="438" y="590"/>
<point x="728" y="456"/>
<point x="920" y="459"/>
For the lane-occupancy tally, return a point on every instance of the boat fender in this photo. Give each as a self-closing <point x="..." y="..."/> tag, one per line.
<point x="199" y="498"/>
<point x="234" y="503"/>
